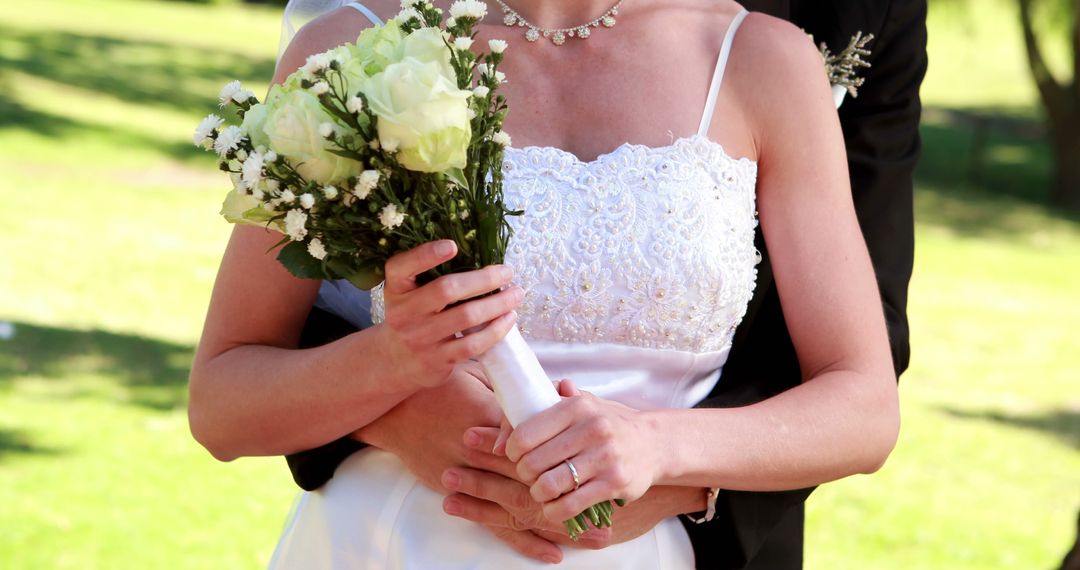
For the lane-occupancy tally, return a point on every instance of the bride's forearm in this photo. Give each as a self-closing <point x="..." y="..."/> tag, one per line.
<point x="264" y="400"/>
<point x="838" y="424"/>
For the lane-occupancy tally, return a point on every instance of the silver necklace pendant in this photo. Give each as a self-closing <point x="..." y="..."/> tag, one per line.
<point x="558" y="35"/>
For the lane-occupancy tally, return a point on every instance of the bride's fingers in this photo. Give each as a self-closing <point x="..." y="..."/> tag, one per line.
<point x="553" y="453"/>
<point x="571" y="504"/>
<point x="450" y="289"/>
<point x="473" y="313"/>
<point x="559" y="480"/>
<point x="476" y="343"/>
<point x="402" y="269"/>
<point x="537" y="430"/>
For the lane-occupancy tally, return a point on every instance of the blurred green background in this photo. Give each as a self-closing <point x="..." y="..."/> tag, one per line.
<point x="110" y="240"/>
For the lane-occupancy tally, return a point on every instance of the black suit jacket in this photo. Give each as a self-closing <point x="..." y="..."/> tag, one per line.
<point x="765" y="530"/>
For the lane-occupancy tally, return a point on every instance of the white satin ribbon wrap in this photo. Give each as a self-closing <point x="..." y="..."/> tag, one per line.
<point x="521" y="386"/>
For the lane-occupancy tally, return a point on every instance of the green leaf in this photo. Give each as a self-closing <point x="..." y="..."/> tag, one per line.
<point x="458" y="177"/>
<point x="299" y="262"/>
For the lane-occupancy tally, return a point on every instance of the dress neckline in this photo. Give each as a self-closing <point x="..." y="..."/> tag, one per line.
<point x="628" y="146"/>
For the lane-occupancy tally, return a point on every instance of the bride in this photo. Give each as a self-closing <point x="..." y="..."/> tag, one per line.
<point x="643" y="154"/>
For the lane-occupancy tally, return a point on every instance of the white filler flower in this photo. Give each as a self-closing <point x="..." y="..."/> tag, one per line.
<point x="463" y="43"/>
<point x="355" y="105"/>
<point x="316" y="248"/>
<point x="228" y="140"/>
<point x="468" y="9"/>
<point x="295" y="220"/>
<point x="228" y="92"/>
<point x="497" y="46"/>
<point x="330" y="192"/>
<point x="501" y="138"/>
<point x="320" y="88"/>
<point x="366" y="183"/>
<point x="390" y="217"/>
<point x="205" y="128"/>
<point x="316" y="63"/>
<point x="481" y="91"/>
<point x="307" y="201"/>
<point x="253" y="170"/>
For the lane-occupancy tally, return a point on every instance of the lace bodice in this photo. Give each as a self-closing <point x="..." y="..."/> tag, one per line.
<point x="648" y="247"/>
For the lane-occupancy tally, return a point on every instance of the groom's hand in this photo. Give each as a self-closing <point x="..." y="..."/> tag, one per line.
<point x="425" y="431"/>
<point x="505" y="504"/>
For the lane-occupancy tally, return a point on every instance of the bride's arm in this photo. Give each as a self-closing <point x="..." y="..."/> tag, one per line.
<point x="844" y="418"/>
<point x="253" y="393"/>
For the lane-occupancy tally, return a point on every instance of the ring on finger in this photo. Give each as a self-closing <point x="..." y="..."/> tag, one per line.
<point x="574" y="474"/>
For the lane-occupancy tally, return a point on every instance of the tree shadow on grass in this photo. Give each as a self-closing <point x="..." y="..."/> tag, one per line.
<point x="1062" y="423"/>
<point x="17" y="442"/>
<point x="140" y="71"/>
<point x="146" y="73"/>
<point x="143" y="371"/>
<point x="985" y="173"/>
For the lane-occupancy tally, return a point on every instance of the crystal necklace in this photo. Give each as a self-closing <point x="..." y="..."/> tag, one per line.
<point x="558" y="35"/>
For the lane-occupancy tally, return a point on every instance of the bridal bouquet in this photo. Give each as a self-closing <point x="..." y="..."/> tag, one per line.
<point x="376" y="147"/>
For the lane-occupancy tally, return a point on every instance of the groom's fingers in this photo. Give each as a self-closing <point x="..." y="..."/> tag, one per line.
<point x="528" y="544"/>
<point x="508" y="494"/>
<point x="479" y="442"/>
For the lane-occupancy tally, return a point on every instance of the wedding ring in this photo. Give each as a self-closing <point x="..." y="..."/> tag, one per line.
<point x="573" y="472"/>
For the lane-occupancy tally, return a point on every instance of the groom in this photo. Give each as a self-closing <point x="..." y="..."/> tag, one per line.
<point x="749" y="530"/>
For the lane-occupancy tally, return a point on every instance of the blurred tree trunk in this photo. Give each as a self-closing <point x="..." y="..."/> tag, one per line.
<point x="1061" y="100"/>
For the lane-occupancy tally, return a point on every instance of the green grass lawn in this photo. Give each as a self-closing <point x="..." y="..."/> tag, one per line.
<point x="112" y="239"/>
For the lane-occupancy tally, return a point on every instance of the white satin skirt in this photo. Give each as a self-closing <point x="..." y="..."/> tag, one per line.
<point x="373" y="514"/>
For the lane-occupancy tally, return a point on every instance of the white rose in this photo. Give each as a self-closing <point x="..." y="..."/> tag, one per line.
<point x="423" y="113"/>
<point x="292" y="129"/>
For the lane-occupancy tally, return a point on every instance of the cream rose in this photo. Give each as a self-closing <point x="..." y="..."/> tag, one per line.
<point x="292" y="129"/>
<point x="423" y="112"/>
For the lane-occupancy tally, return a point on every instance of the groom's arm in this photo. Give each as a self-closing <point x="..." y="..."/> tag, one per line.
<point x="312" y="468"/>
<point x="764" y="530"/>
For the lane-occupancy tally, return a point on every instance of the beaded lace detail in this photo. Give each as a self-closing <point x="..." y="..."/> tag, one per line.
<point x="650" y="247"/>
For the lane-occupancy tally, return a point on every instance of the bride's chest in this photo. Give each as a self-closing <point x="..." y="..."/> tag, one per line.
<point x="649" y="247"/>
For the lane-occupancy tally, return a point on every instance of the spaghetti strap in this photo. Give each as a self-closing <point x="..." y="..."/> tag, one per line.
<point x="718" y="73"/>
<point x="366" y="12"/>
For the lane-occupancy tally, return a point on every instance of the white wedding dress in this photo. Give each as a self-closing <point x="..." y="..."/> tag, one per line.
<point x="637" y="268"/>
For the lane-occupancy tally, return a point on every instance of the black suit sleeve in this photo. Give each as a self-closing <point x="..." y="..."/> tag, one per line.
<point x="764" y="530"/>
<point x="312" y="468"/>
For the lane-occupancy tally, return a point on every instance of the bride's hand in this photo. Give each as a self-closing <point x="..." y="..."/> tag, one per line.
<point x="505" y="506"/>
<point x="616" y="450"/>
<point x="419" y="330"/>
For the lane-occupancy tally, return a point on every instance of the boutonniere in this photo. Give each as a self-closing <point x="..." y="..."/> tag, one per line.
<point x="843" y="67"/>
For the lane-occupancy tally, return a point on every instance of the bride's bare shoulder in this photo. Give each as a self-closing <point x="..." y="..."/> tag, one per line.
<point x="776" y="69"/>
<point x="330" y="30"/>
